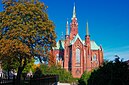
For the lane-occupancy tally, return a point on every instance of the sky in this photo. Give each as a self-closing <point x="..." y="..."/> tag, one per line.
<point x="108" y="22"/>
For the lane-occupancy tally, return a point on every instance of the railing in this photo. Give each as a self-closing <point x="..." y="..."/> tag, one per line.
<point x="6" y="81"/>
<point x="44" y="80"/>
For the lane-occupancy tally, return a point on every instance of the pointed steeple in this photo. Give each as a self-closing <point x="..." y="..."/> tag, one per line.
<point x="62" y="36"/>
<point x="67" y="28"/>
<point x="73" y="25"/>
<point x="74" y="11"/>
<point x="87" y="29"/>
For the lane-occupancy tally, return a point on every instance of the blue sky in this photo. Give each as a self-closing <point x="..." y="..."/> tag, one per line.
<point x="108" y="22"/>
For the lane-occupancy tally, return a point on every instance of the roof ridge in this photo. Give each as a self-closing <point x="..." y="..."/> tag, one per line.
<point x="75" y="38"/>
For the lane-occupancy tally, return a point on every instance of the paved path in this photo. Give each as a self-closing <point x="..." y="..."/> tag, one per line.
<point x="63" y="83"/>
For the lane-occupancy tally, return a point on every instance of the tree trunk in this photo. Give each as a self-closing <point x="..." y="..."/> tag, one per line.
<point x="19" y="73"/>
<point x="18" y="78"/>
<point x="8" y="74"/>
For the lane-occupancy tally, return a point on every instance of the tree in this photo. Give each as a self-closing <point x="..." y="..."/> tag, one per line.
<point x="14" y="50"/>
<point x="64" y="76"/>
<point x="29" y="66"/>
<point x="84" y="78"/>
<point x="11" y="64"/>
<point x="52" y="59"/>
<point x="25" y="23"/>
<point x="111" y="73"/>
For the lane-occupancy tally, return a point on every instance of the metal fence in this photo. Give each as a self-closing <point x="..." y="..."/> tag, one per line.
<point x="44" y="80"/>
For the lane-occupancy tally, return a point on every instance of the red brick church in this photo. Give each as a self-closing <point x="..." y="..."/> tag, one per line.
<point x="77" y="55"/>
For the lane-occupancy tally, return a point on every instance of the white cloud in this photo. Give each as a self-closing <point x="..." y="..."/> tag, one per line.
<point x="122" y="52"/>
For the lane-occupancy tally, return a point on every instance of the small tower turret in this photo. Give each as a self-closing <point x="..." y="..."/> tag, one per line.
<point x="87" y="35"/>
<point x="67" y="33"/>
<point x="67" y="30"/>
<point x="88" y="49"/>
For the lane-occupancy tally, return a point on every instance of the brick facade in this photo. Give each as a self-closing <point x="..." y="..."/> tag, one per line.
<point x="77" y="55"/>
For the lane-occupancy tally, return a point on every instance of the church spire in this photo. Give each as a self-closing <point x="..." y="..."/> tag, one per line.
<point x="73" y="25"/>
<point x="74" y="11"/>
<point x="67" y="28"/>
<point x="62" y="36"/>
<point x="87" y="29"/>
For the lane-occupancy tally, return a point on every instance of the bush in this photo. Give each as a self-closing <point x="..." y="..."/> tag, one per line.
<point x="38" y="73"/>
<point x="84" y="78"/>
<point x="111" y="73"/>
<point x="64" y="76"/>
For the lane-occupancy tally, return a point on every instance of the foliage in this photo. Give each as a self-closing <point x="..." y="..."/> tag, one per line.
<point x="35" y="66"/>
<point x="11" y="64"/>
<point x="38" y="73"/>
<point x="84" y="78"/>
<point x="29" y="66"/>
<point x="111" y="73"/>
<point x="29" y="23"/>
<point x="12" y="51"/>
<point x="51" y="58"/>
<point x="64" y="76"/>
<point x="25" y="32"/>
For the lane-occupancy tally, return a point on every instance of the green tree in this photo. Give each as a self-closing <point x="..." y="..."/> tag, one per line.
<point x="64" y="76"/>
<point x="12" y="65"/>
<point x="84" y="78"/>
<point x="25" y="23"/>
<point x="111" y="73"/>
<point x="29" y="66"/>
<point x="12" y="51"/>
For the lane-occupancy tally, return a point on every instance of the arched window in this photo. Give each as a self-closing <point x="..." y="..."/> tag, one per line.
<point x="94" y="57"/>
<point x="57" y="57"/>
<point x="77" y="55"/>
<point x="85" y="56"/>
<point x="84" y="53"/>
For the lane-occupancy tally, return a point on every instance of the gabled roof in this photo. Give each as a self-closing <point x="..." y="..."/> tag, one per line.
<point x="59" y="45"/>
<point x="75" y="38"/>
<point x="94" y="46"/>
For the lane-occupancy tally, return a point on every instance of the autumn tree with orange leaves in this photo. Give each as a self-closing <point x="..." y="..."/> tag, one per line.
<point x="25" y="32"/>
<point x="52" y="59"/>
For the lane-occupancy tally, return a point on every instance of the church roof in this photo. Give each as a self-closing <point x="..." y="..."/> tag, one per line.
<point x="94" y="46"/>
<point x="60" y="43"/>
<point x="75" y="38"/>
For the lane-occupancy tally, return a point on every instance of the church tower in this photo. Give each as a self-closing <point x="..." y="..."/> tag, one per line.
<point x="67" y="30"/>
<point x="87" y="38"/>
<point x="77" y="55"/>
<point x="88" y="48"/>
<point x="66" y="50"/>
<point x="73" y="25"/>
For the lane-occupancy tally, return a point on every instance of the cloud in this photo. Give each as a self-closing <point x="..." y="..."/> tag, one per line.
<point x="122" y="52"/>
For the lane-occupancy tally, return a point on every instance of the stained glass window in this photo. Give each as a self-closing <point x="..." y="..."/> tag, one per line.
<point x="77" y="55"/>
<point x="94" y="57"/>
<point x="85" y="56"/>
<point x="57" y="57"/>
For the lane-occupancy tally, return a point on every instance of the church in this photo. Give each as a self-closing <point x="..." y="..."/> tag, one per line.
<point x="77" y="55"/>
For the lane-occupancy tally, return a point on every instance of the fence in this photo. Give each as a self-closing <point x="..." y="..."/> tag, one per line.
<point x="44" y="80"/>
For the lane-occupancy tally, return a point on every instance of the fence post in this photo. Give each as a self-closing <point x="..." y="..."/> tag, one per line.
<point x="13" y="79"/>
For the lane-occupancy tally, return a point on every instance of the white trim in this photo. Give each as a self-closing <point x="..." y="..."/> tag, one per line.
<point x="75" y="38"/>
